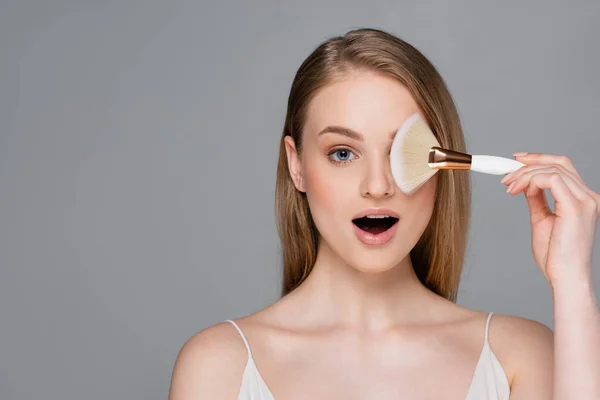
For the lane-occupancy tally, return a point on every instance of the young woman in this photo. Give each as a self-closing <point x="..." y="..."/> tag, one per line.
<point x="371" y="275"/>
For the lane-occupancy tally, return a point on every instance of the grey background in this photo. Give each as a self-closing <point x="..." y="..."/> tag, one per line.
<point x="138" y="148"/>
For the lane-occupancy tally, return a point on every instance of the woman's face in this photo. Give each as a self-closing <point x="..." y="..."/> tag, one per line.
<point x="344" y="170"/>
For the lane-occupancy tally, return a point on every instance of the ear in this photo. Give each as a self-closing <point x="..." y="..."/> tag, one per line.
<point x="294" y="164"/>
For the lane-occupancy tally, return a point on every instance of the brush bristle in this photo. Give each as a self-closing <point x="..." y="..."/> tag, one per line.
<point x="410" y="154"/>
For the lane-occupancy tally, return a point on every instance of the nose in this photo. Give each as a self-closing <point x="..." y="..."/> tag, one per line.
<point x="378" y="181"/>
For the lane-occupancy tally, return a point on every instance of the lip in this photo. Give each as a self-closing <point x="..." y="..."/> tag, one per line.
<point x="375" y="240"/>
<point x="382" y="238"/>
<point x="376" y="211"/>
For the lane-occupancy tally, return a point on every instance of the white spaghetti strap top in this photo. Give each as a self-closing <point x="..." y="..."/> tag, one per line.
<point x="489" y="380"/>
<point x="253" y="385"/>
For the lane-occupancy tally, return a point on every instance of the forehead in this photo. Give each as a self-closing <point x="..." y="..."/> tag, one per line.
<point x="368" y="102"/>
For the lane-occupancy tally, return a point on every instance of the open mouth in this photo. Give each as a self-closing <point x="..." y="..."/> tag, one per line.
<point x="375" y="224"/>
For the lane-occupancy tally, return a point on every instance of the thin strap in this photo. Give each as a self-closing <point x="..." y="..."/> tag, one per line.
<point x="487" y="326"/>
<point x="242" y="335"/>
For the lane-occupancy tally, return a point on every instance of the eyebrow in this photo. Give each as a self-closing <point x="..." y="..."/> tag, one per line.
<point x="342" y="130"/>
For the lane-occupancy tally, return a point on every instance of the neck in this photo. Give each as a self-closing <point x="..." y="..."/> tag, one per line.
<point x="338" y="293"/>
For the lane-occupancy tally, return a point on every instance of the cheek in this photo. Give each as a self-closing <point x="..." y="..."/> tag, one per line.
<point x="427" y="192"/>
<point x="423" y="200"/>
<point x="322" y="189"/>
<point x="327" y="191"/>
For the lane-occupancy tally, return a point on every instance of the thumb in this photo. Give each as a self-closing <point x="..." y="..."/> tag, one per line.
<point x="537" y="202"/>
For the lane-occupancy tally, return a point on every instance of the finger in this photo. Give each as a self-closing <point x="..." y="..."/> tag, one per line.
<point x="538" y="204"/>
<point x="540" y="158"/>
<point x="563" y="197"/>
<point x="534" y="159"/>
<point x="565" y="200"/>
<point x="523" y="181"/>
<point x="510" y="178"/>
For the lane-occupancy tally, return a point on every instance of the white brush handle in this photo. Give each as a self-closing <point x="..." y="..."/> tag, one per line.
<point x="494" y="165"/>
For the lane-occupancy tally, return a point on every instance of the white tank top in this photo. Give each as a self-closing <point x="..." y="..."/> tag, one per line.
<point x="489" y="380"/>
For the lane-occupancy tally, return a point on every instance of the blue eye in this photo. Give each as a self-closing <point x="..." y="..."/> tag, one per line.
<point x="343" y="155"/>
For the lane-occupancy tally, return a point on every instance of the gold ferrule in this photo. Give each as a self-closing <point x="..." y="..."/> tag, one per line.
<point x="448" y="159"/>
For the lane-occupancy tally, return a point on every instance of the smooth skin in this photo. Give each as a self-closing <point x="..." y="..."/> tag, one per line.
<point x="562" y="243"/>
<point x="362" y="326"/>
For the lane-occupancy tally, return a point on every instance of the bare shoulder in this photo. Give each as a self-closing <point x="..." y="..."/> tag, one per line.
<point x="525" y="348"/>
<point x="210" y="364"/>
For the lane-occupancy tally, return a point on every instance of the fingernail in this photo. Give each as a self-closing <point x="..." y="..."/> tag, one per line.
<point x="519" y="154"/>
<point x="510" y="187"/>
<point x="507" y="177"/>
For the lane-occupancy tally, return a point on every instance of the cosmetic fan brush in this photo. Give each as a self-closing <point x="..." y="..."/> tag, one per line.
<point x="416" y="156"/>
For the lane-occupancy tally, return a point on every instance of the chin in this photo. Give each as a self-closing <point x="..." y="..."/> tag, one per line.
<point x="372" y="267"/>
<point x="373" y="260"/>
<point x="364" y="257"/>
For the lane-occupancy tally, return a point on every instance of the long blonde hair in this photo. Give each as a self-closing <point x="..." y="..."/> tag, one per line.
<point x="438" y="255"/>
